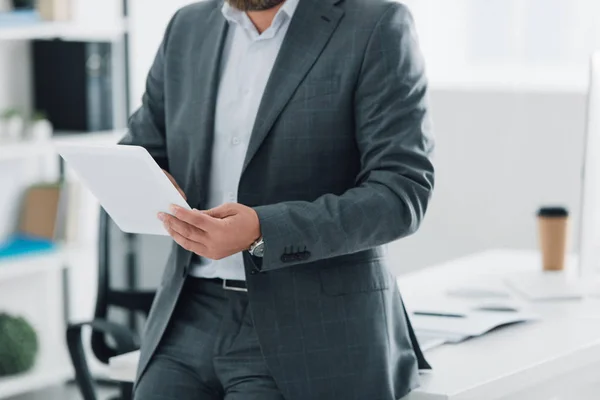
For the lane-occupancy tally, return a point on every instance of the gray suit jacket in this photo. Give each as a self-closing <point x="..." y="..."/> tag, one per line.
<point x="338" y="165"/>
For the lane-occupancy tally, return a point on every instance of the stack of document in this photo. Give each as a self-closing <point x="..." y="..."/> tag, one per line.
<point x="543" y="286"/>
<point x="437" y="325"/>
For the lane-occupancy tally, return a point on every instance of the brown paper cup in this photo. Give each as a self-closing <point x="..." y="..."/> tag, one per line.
<point x="553" y="241"/>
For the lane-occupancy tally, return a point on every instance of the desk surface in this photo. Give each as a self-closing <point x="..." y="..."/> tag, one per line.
<point x="510" y="359"/>
<point x="501" y="363"/>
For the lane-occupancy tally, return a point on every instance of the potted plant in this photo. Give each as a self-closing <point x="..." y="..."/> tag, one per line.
<point x="18" y="345"/>
<point x="12" y="124"/>
<point x="40" y="128"/>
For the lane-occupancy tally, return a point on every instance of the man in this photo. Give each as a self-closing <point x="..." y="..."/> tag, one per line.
<point x="299" y="131"/>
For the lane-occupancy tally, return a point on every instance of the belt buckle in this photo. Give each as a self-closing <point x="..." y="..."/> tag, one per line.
<point x="232" y="288"/>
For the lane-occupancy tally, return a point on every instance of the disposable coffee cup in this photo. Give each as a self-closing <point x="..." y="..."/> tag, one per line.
<point x="553" y="225"/>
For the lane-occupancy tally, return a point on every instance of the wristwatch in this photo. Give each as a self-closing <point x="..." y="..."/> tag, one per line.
<point x="258" y="248"/>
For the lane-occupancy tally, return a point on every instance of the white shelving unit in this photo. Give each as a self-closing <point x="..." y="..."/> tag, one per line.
<point x="18" y="266"/>
<point x="51" y="368"/>
<point x="64" y="31"/>
<point x="31" y="149"/>
<point x="34" y="287"/>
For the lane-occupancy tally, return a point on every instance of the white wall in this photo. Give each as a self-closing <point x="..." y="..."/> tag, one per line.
<point x="147" y="26"/>
<point x="499" y="157"/>
<point x="521" y="32"/>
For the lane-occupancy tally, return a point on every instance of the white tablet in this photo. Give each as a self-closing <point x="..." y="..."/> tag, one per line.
<point x="127" y="182"/>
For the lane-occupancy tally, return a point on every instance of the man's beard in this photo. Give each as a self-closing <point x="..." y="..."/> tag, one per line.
<point x="254" y="5"/>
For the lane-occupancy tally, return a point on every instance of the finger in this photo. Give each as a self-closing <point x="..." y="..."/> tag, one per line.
<point x="183" y="228"/>
<point x="189" y="245"/>
<point x="223" y="211"/>
<point x="195" y="218"/>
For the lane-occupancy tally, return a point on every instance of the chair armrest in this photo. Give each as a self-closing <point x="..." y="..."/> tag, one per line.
<point x="124" y="343"/>
<point x="123" y="368"/>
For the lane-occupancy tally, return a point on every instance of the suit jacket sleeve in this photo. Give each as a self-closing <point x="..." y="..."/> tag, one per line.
<point x="393" y="134"/>
<point x="147" y="124"/>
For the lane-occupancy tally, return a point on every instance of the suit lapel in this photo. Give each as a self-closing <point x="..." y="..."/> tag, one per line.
<point x="208" y="53"/>
<point x="311" y="27"/>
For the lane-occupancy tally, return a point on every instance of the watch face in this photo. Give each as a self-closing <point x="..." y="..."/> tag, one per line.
<point x="259" y="250"/>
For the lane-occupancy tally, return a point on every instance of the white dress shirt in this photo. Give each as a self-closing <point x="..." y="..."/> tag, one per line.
<point x="247" y="60"/>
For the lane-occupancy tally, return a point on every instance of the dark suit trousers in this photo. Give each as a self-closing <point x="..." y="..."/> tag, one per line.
<point x="210" y="350"/>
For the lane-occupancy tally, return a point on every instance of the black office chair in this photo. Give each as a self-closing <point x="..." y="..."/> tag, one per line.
<point x="109" y="337"/>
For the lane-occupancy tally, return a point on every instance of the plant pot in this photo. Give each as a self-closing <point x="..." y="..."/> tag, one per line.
<point x="41" y="130"/>
<point x="12" y="128"/>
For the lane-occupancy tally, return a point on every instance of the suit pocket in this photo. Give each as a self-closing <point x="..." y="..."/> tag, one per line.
<point x="368" y="276"/>
<point x="316" y="87"/>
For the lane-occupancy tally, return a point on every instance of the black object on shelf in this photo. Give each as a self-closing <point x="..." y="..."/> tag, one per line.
<point x="73" y="84"/>
<point x="23" y="4"/>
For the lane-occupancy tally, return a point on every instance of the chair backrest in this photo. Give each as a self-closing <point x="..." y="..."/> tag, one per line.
<point x="129" y="302"/>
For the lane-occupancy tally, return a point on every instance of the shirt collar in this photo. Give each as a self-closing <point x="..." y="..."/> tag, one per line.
<point x="238" y="17"/>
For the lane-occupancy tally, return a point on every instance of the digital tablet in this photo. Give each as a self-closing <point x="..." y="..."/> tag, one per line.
<point x="127" y="182"/>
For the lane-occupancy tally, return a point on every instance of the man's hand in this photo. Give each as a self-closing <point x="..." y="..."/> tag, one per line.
<point x="175" y="184"/>
<point x="214" y="234"/>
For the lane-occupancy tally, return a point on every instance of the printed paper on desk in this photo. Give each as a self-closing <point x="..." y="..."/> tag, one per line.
<point x="475" y="323"/>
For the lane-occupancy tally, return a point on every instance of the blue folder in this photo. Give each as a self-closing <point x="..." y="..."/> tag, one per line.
<point x="23" y="245"/>
<point x="16" y="18"/>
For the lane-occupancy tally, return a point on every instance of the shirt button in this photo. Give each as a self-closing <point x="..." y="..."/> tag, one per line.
<point x="236" y="140"/>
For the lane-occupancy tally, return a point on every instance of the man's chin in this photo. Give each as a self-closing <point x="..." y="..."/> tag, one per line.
<point x="254" y="5"/>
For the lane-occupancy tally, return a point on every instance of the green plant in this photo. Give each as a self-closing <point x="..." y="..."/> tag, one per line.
<point x="10" y="112"/>
<point x="18" y="345"/>
<point x="39" y="116"/>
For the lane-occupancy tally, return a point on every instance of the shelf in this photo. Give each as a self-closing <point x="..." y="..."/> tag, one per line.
<point x="15" y="267"/>
<point x="100" y="138"/>
<point x="52" y="368"/>
<point x="25" y="149"/>
<point x="64" y="30"/>
<point x="29" y="149"/>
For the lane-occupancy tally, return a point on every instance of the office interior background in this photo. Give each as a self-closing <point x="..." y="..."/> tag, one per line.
<point x="508" y="79"/>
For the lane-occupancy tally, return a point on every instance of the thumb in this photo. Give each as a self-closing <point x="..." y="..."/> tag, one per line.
<point x="223" y="211"/>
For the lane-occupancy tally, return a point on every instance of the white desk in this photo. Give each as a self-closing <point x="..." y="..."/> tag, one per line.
<point x="557" y="358"/>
